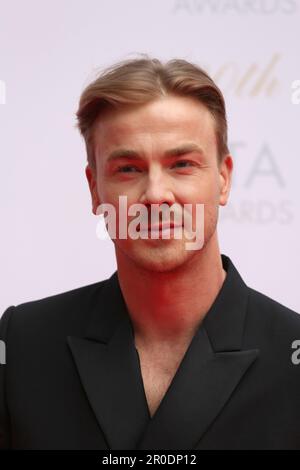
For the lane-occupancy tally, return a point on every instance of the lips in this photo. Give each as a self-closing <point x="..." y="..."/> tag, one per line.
<point x="159" y="226"/>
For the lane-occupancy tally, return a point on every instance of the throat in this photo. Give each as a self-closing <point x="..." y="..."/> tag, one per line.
<point x="158" y="370"/>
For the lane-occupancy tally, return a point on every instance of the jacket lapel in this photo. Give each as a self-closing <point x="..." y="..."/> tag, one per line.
<point x="210" y="371"/>
<point x="108" y="366"/>
<point x="214" y="364"/>
<point x="203" y="384"/>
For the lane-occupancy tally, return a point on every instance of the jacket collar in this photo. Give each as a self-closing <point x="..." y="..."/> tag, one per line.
<point x="224" y="331"/>
<point x="214" y="364"/>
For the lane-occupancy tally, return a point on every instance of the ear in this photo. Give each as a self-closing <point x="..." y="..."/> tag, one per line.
<point x="225" y="175"/>
<point x="92" y="180"/>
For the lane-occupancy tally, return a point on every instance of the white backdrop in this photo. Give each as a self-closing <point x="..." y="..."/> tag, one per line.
<point x="51" y="49"/>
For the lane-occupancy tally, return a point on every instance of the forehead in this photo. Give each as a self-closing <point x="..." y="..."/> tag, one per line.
<point x="160" y="120"/>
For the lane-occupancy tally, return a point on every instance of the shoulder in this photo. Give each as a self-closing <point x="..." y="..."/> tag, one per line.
<point x="272" y="324"/>
<point x="53" y="312"/>
<point x="272" y="310"/>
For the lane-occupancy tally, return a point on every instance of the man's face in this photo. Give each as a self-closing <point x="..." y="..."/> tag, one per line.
<point x="147" y="173"/>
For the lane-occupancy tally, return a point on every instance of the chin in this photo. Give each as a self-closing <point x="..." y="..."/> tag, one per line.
<point x="158" y="258"/>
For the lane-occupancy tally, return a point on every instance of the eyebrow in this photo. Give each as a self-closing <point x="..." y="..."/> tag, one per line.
<point x="130" y="154"/>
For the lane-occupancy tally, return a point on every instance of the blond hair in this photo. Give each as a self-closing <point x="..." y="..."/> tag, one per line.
<point x="141" y="80"/>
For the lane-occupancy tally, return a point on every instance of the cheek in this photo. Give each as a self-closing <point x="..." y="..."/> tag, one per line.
<point x="111" y="191"/>
<point x="107" y="193"/>
<point x="202" y="191"/>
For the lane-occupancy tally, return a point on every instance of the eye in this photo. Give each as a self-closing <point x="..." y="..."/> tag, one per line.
<point x="122" y="169"/>
<point x="182" y="163"/>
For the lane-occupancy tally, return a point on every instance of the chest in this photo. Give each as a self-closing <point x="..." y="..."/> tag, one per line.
<point x="157" y="376"/>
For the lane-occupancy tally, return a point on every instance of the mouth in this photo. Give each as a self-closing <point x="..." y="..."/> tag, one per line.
<point x="159" y="227"/>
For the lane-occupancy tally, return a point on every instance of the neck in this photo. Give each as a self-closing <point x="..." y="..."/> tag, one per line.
<point x="167" y="307"/>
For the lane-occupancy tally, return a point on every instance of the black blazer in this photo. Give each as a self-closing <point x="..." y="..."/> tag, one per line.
<point x="72" y="376"/>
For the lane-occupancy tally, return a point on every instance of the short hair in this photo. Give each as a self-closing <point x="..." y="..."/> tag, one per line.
<point x="141" y="80"/>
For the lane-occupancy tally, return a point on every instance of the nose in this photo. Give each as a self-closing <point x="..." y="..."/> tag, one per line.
<point x="157" y="190"/>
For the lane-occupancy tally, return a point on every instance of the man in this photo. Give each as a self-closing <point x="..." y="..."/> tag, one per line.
<point x="174" y="350"/>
